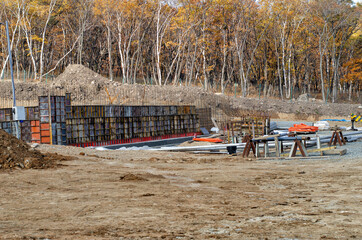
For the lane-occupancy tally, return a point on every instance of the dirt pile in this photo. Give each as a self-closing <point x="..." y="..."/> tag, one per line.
<point x="15" y="153"/>
<point x="77" y="74"/>
<point x="132" y="177"/>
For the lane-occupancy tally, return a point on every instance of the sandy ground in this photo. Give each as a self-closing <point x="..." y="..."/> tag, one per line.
<point x="143" y="195"/>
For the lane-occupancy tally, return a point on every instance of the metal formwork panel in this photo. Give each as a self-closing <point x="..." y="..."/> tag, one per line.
<point x="173" y="110"/>
<point x="127" y="111"/>
<point x="2" y="115"/>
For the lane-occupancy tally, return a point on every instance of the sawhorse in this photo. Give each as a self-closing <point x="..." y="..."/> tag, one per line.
<point x="337" y="136"/>
<point x="250" y="145"/>
<point x="297" y="144"/>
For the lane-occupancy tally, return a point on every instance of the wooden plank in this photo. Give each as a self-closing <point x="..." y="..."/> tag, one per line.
<point x="266" y="137"/>
<point x="334" y="152"/>
<point x="312" y="150"/>
<point x="293" y="158"/>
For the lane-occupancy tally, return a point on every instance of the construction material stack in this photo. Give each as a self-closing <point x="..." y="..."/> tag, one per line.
<point x="8" y="125"/>
<point x="112" y="124"/>
<point x="56" y="121"/>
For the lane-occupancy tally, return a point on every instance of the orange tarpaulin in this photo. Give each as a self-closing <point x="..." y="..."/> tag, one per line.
<point x="214" y="140"/>
<point x="302" y="128"/>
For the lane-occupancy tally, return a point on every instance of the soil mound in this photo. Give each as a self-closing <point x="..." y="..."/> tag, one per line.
<point x="16" y="153"/>
<point x="77" y="74"/>
<point x="132" y="177"/>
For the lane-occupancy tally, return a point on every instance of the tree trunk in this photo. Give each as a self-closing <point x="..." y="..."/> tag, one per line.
<point x="223" y="64"/>
<point x="109" y="46"/>
<point x="51" y="7"/>
<point x="321" y="70"/>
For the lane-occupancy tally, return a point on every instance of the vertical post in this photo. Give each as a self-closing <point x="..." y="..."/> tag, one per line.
<point x="232" y="132"/>
<point x="266" y="149"/>
<point x="24" y="75"/>
<point x="318" y="142"/>
<point x="257" y="154"/>
<point x="227" y="128"/>
<point x="259" y="90"/>
<point x="277" y="151"/>
<point x="352" y="121"/>
<point x="253" y="129"/>
<point x="50" y="119"/>
<point x="235" y="85"/>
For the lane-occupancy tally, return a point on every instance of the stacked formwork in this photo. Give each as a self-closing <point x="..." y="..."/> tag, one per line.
<point x="6" y="120"/>
<point x="8" y="125"/>
<point x="103" y="125"/>
<point x="52" y="120"/>
<point x="55" y="121"/>
<point x="58" y="120"/>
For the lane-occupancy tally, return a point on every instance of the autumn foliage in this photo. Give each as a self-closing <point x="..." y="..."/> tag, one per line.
<point x="267" y="47"/>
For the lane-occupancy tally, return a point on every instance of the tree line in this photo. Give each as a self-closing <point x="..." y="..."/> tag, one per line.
<point x="276" y="47"/>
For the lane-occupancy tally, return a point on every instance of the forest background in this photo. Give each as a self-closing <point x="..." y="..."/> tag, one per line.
<point x="274" y="48"/>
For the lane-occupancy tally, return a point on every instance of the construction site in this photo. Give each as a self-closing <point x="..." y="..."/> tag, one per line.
<point x="83" y="157"/>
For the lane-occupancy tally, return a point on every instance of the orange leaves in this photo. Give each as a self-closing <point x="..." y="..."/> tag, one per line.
<point x="106" y="7"/>
<point x="354" y="71"/>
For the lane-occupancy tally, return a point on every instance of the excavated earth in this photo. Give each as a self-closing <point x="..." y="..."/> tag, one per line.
<point x="16" y="154"/>
<point x="157" y="195"/>
<point x="87" y="87"/>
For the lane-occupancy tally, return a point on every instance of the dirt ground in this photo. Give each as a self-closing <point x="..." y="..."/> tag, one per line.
<point x="143" y="195"/>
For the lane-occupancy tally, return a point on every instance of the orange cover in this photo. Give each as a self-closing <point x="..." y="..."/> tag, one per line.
<point x="303" y="128"/>
<point x="214" y="140"/>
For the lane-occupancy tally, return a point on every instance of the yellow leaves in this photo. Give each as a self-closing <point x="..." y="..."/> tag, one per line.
<point x="37" y="38"/>
<point x="357" y="34"/>
<point x="210" y="68"/>
<point x="105" y="7"/>
<point x="171" y="44"/>
<point x="354" y="71"/>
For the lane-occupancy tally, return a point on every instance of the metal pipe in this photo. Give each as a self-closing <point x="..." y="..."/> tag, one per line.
<point x="353" y="138"/>
<point x="282" y="139"/>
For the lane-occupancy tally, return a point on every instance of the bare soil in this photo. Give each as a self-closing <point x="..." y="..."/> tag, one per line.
<point x="88" y="87"/>
<point x="144" y="195"/>
<point x="15" y="153"/>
